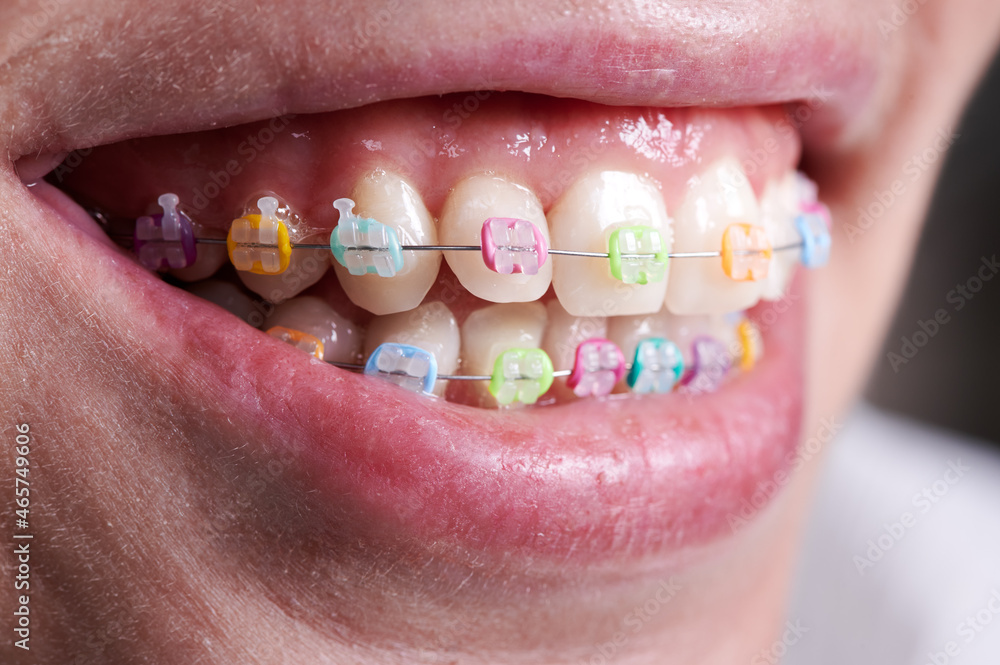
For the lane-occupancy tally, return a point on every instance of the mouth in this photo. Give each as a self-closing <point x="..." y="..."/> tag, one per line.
<point x="613" y="458"/>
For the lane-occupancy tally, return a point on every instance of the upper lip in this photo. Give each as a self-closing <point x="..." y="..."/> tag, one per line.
<point x="150" y="80"/>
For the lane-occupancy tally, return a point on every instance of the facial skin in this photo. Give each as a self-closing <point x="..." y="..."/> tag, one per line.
<point x="157" y="537"/>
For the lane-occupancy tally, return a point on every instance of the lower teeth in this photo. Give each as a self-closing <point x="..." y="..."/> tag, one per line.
<point x="523" y="375"/>
<point x="661" y="354"/>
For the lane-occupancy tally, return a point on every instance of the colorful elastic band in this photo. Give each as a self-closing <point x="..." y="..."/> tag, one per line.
<point x="525" y="374"/>
<point x="260" y="242"/>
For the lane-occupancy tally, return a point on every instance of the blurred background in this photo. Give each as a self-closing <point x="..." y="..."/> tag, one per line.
<point x="954" y="380"/>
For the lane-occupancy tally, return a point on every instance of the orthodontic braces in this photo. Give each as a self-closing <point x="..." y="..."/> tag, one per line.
<point x="261" y="243"/>
<point x="525" y="374"/>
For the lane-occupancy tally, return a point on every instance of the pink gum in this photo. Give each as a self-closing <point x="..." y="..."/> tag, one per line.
<point x="541" y="142"/>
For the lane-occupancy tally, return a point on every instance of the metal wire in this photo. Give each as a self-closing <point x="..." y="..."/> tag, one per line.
<point x="477" y="248"/>
<point x="562" y="373"/>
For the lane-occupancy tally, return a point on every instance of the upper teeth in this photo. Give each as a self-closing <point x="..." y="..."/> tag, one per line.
<point x="721" y="253"/>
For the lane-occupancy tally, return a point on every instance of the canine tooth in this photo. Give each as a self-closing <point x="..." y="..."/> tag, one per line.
<point x="492" y="330"/>
<point x="229" y="297"/>
<point x="584" y="219"/>
<point x="305" y="268"/>
<point x="389" y="199"/>
<point x="717" y="198"/>
<point x="341" y="338"/>
<point x="473" y="201"/>
<point x="778" y="208"/>
<point x="431" y="327"/>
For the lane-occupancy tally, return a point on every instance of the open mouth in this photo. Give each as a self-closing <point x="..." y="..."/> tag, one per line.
<point x="642" y="402"/>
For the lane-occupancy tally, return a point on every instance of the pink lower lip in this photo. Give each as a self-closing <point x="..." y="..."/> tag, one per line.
<point x="625" y="477"/>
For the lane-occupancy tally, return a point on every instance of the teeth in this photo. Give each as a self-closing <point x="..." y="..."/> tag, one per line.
<point x="492" y="330"/>
<point x="165" y="239"/>
<point x="209" y="260"/>
<point x="473" y="201"/>
<point x="521" y="375"/>
<point x="628" y="331"/>
<point x="684" y="330"/>
<point x="305" y="268"/>
<point x="599" y="366"/>
<point x="584" y="219"/>
<point x="720" y="196"/>
<point x="431" y="327"/>
<point x="300" y="340"/>
<point x="565" y="332"/>
<point x="711" y="363"/>
<point x="657" y="367"/>
<point x="229" y="297"/>
<point x="341" y="338"/>
<point x="751" y="345"/>
<point x="406" y="366"/>
<point x="778" y="208"/>
<point x="391" y="200"/>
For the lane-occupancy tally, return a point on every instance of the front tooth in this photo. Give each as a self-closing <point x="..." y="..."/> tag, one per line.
<point x="389" y="199"/>
<point x="583" y="219"/>
<point x="719" y="197"/>
<point x="473" y="201"/>
<point x="778" y="208"/>
<point x="431" y="327"/>
<point x="492" y="330"/>
<point x="341" y="338"/>
<point x="305" y="268"/>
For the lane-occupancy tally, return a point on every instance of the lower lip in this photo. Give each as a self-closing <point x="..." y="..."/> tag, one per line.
<point x="593" y="480"/>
